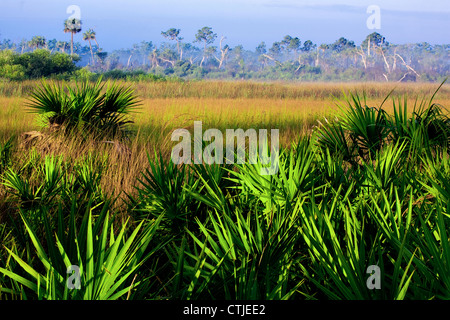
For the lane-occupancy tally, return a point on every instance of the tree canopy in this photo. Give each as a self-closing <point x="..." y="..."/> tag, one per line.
<point x="208" y="56"/>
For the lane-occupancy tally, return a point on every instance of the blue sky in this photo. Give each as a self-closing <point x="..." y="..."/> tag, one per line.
<point x="120" y="23"/>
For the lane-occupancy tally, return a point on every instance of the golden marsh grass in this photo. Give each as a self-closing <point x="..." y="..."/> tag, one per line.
<point x="292" y="108"/>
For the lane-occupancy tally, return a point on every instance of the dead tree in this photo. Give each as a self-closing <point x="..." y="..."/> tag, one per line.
<point x="223" y="52"/>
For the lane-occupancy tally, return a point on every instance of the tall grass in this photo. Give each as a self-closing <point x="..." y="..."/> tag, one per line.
<point x="292" y="108"/>
<point x="249" y="89"/>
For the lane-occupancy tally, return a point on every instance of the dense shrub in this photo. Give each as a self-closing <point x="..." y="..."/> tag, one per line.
<point x="8" y="68"/>
<point x="37" y="64"/>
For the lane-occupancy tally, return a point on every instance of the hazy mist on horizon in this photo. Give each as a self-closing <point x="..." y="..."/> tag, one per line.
<point x="120" y="24"/>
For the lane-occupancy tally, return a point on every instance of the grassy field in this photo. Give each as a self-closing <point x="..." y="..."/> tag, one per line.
<point x="250" y="89"/>
<point x="363" y="187"/>
<point x="291" y="108"/>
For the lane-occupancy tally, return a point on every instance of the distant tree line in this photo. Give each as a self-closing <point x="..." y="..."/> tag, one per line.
<point x="210" y="57"/>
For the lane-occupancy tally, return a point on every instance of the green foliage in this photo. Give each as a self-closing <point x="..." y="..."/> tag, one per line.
<point x="367" y="126"/>
<point x="374" y="59"/>
<point x="359" y="131"/>
<point x="205" y="35"/>
<point x="106" y="262"/>
<point x="5" y="153"/>
<point x="51" y="183"/>
<point x="84" y="74"/>
<point x="367" y="189"/>
<point x="41" y="63"/>
<point x="342" y="44"/>
<point x="136" y="75"/>
<point x="8" y="68"/>
<point x="87" y="106"/>
<point x="427" y="129"/>
<point x="37" y="64"/>
<point x="164" y="189"/>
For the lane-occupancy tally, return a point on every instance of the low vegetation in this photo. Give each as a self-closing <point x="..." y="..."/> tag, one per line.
<point x="367" y="185"/>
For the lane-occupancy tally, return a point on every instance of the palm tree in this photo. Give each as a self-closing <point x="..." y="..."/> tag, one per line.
<point x="37" y="41"/>
<point x="88" y="36"/>
<point x="95" y="39"/>
<point x="73" y="26"/>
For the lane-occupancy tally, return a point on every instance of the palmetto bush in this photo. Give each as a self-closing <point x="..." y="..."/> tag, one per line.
<point x="107" y="262"/>
<point x="425" y="130"/>
<point x="367" y="126"/>
<point x="163" y="188"/>
<point x="358" y="131"/>
<point x="88" y="106"/>
<point x="49" y="181"/>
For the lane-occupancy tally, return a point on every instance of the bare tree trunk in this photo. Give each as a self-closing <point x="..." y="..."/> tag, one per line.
<point x="169" y="61"/>
<point x="385" y="61"/>
<point x="192" y="59"/>
<point x="223" y="53"/>
<point x="363" y="57"/>
<point x="178" y="49"/>
<point x="394" y="64"/>
<point x="154" y="59"/>
<point x="317" y="57"/>
<point x="92" y="52"/>
<point x="271" y="58"/>
<point x="407" y="66"/>
<point x="204" y="54"/>
<point x="71" y="44"/>
<point x="403" y="77"/>
<point x="299" y="63"/>
<point x="129" y="58"/>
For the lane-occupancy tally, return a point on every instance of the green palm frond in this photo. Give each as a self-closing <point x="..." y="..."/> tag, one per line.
<point x="91" y="106"/>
